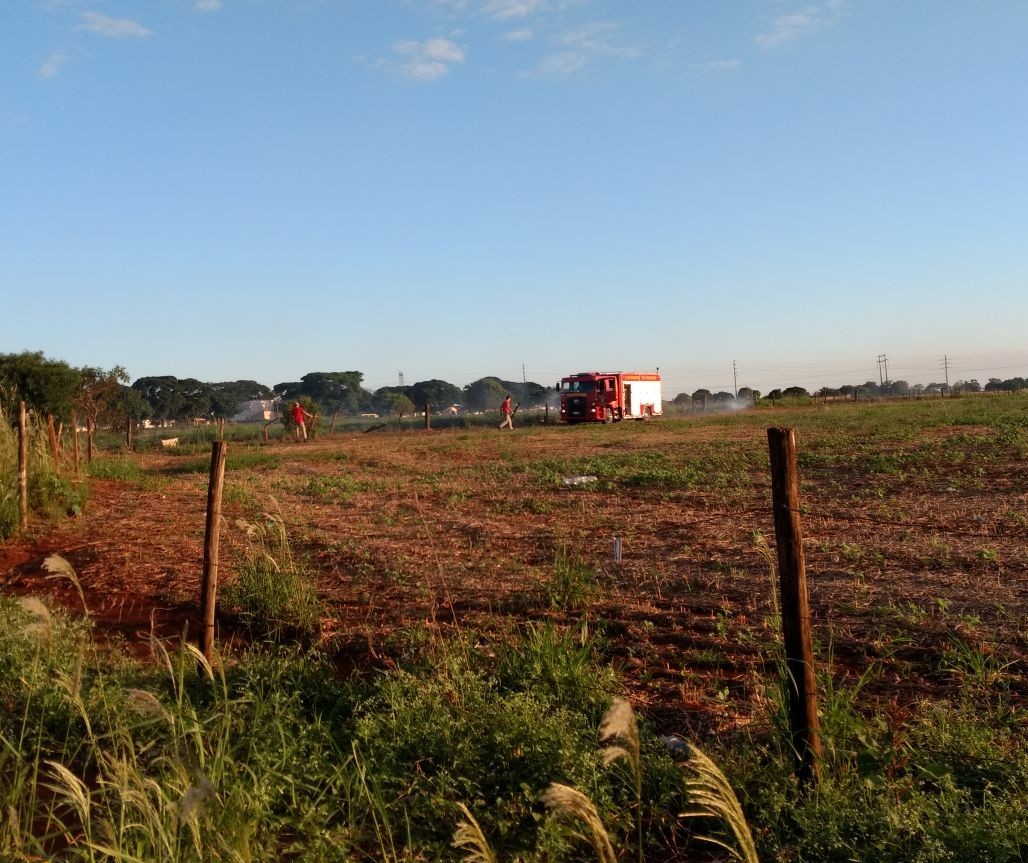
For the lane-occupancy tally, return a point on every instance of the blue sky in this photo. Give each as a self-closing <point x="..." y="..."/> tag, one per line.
<point x="229" y="189"/>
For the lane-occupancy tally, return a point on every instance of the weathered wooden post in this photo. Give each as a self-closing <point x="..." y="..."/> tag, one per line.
<point x="23" y="466"/>
<point x="546" y="412"/>
<point x="221" y="428"/>
<point x="792" y="578"/>
<point x="704" y="402"/>
<point x="332" y="428"/>
<point x="128" y="432"/>
<point x="428" y="416"/>
<point x="54" y="449"/>
<point x="209" y="586"/>
<point x="89" y="439"/>
<point x="75" y="440"/>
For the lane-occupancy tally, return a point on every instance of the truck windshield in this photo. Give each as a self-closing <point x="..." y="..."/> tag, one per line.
<point x="578" y="386"/>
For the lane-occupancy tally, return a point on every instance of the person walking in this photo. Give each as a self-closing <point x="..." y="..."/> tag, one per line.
<point x="299" y="416"/>
<point x="507" y="414"/>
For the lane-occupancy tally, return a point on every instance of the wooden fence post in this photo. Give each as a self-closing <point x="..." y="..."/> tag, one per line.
<point x="54" y="450"/>
<point x="209" y="586"/>
<point x="428" y="416"/>
<point x="128" y="432"/>
<point x="332" y="428"/>
<point x="792" y="577"/>
<point x="89" y="439"/>
<point x="546" y="412"/>
<point x="75" y="440"/>
<point x="23" y="466"/>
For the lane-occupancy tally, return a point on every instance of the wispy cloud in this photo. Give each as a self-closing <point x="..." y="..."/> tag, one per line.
<point x="112" y="28"/>
<point x="579" y="48"/>
<point x="208" y="5"/>
<point x="507" y="9"/>
<point x="718" y="66"/>
<point x="52" y="65"/>
<point x="523" y="35"/>
<point x="428" y="60"/>
<point x="802" y="22"/>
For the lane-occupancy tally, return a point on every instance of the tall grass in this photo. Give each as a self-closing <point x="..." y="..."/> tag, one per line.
<point x="51" y="494"/>
<point x="271" y="593"/>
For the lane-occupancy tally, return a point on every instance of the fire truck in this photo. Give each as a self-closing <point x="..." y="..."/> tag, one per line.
<point x="603" y="397"/>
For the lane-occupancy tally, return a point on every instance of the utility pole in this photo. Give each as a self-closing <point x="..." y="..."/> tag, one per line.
<point x="401" y="378"/>
<point x="735" y="381"/>
<point x="523" y="379"/>
<point x="945" y="368"/>
<point x="883" y="360"/>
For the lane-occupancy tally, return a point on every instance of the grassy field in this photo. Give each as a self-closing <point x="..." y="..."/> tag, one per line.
<point x="414" y="621"/>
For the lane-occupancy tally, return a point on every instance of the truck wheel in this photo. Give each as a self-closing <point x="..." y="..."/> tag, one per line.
<point x="608" y="415"/>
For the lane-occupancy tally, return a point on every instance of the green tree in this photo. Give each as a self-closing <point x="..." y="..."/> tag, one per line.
<point x="388" y="401"/>
<point x="228" y="396"/>
<point x="97" y="391"/>
<point x="334" y="391"/>
<point x="485" y="394"/>
<point x="163" y="394"/>
<point x="438" y="393"/>
<point x="46" y="386"/>
<point x="126" y="403"/>
<point x="173" y="399"/>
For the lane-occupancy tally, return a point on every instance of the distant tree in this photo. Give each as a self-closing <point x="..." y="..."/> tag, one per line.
<point x="224" y="405"/>
<point x="528" y="393"/>
<point x="746" y="394"/>
<point x="870" y="388"/>
<point x="228" y="396"/>
<point x="485" y="394"/>
<point x="682" y="400"/>
<point x="971" y="386"/>
<point x="163" y="394"/>
<point x="333" y="391"/>
<point x="701" y="394"/>
<point x="722" y="397"/>
<point x="386" y="400"/>
<point x="46" y="386"/>
<point x="389" y="400"/>
<point x="171" y="398"/>
<point x="795" y="392"/>
<point x="97" y="390"/>
<point x="438" y="393"/>
<point x="126" y="403"/>
<point x="775" y="394"/>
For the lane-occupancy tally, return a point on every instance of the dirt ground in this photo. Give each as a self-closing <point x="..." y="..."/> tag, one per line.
<point x="909" y="572"/>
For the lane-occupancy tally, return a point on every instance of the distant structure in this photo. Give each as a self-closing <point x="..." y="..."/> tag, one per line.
<point x="257" y="410"/>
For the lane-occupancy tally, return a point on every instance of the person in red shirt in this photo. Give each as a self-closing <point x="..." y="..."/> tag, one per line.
<point x="299" y="416"/>
<point x="507" y="414"/>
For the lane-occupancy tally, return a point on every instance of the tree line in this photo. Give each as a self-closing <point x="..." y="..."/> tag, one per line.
<point x="866" y="390"/>
<point x="54" y="387"/>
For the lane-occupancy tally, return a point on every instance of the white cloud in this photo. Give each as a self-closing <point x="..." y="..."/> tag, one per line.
<point x="524" y="35"/>
<point x="594" y="39"/>
<point x="208" y="5"/>
<point x="787" y="28"/>
<point x="52" y="65"/>
<point x="579" y="48"/>
<point x="562" y="63"/>
<point x="506" y="9"/>
<point x="113" y="28"/>
<point x="428" y="60"/>
<point x="718" y="66"/>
